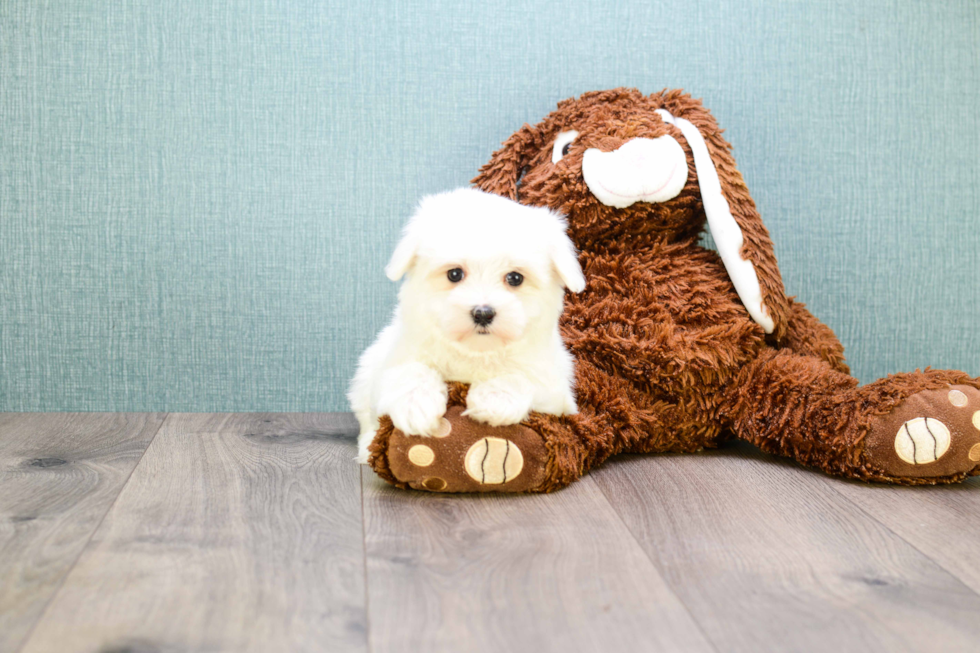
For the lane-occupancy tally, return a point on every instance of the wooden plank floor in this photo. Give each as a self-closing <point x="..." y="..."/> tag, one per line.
<point x="59" y="474"/>
<point x="257" y="532"/>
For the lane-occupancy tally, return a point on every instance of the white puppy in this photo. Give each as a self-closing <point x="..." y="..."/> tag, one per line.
<point x="483" y="291"/>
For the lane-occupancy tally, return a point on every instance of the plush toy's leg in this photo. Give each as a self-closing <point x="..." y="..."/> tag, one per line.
<point x="541" y="454"/>
<point x="544" y="452"/>
<point x="921" y="427"/>
<point x="808" y="336"/>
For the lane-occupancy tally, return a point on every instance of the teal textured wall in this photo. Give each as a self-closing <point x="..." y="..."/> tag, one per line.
<point x="197" y="197"/>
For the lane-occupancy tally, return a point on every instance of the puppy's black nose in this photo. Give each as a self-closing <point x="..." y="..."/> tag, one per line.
<point x="483" y="315"/>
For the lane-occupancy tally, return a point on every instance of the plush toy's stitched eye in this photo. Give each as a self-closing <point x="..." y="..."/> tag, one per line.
<point x="514" y="279"/>
<point x="455" y="275"/>
<point x="562" y="144"/>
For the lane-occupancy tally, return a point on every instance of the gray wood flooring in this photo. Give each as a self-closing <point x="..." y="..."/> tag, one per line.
<point x="139" y="533"/>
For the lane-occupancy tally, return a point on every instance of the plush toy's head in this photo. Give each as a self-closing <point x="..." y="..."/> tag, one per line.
<point x="628" y="169"/>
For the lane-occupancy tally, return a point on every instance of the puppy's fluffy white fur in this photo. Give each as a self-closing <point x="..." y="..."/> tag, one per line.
<point x="515" y="364"/>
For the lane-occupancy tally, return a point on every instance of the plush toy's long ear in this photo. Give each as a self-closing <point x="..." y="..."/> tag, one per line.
<point x="501" y="175"/>
<point x="404" y="255"/>
<point x="736" y="226"/>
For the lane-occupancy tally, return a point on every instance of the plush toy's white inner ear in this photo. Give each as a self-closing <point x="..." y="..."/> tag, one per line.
<point x="725" y="231"/>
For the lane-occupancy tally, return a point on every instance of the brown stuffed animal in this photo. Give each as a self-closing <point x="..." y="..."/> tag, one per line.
<point x="678" y="347"/>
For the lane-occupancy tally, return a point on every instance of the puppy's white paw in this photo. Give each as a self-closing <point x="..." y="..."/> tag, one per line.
<point x="414" y="396"/>
<point x="499" y="402"/>
<point x="362" y="454"/>
<point x="418" y="413"/>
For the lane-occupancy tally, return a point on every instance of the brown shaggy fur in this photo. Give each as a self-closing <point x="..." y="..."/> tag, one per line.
<point x="667" y="357"/>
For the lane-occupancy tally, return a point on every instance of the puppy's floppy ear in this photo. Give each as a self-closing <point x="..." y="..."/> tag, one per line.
<point x="404" y="255"/>
<point x="565" y="260"/>
<point x="502" y="173"/>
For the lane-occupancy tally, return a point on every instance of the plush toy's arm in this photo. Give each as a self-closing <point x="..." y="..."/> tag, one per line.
<point x="668" y="321"/>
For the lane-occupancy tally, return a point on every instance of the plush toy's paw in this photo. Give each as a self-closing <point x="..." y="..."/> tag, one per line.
<point x="498" y="402"/>
<point x="934" y="434"/>
<point x="465" y="456"/>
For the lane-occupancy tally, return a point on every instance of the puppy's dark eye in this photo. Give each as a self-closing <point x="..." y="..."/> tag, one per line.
<point x="455" y="275"/>
<point x="564" y="150"/>
<point x="514" y="279"/>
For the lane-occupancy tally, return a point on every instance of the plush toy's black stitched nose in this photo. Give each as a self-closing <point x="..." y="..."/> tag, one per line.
<point x="483" y="315"/>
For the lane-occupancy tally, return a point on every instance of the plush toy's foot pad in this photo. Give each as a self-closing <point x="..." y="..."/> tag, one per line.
<point x="466" y="456"/>
<point x="932" y="434"/>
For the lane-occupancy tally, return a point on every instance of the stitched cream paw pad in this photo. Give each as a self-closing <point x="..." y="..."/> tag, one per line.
<point x="932" y="434"/>
<point x="922" y="440"/>
<point x="444" y="429"/>
<point x="975" y="453"/>
<point x="492" y="461"/>
<point x="434" y="483"/>
<point x="958" y="398"/>
<point x="421" y="455"/>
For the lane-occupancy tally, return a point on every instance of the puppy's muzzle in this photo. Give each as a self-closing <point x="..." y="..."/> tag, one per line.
<point x="483" y="315"/>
